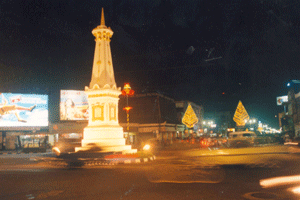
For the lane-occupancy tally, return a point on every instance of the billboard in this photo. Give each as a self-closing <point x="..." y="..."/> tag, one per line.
<point x="73" y="105"/>
<point x="281" y="100"/>
<point x="23" y="110"/>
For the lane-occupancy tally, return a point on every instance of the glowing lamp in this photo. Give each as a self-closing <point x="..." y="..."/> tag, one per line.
<point x="146" y="147"/>
<point x="127" y="90"/>
<point x="127" y="108"/>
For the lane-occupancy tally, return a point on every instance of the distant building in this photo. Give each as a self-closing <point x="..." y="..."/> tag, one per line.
<point x="290" y="121"/>
<point x="153" y="116"/>
<point x="223" y="120"/>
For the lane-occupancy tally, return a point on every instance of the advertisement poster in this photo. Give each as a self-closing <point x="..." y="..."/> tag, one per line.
<point x="23" y="110"/>
<point x="281" y="100"/>
<point x="73" y="105"/>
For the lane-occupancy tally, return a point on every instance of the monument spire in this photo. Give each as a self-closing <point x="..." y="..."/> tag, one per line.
<point x="102" y="18"/>
<point x="103" y="71"/>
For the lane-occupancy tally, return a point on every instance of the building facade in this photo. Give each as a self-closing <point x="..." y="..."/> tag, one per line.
<point x="153" y="115"/>
<point x="289" y="120"/>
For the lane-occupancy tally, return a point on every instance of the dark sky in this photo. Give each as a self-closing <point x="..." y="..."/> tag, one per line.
<point x="213" y="53"/>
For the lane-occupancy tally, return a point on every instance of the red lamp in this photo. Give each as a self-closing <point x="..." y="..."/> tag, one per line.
<point x="127" y="90"/>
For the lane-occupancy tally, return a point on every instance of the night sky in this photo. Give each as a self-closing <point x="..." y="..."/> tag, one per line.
<point x="213" y="53"/>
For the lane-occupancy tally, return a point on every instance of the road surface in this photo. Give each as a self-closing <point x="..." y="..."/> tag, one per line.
<point x="170" y="177"/>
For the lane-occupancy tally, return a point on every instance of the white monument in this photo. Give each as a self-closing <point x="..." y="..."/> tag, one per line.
<point x="103" y="128"/>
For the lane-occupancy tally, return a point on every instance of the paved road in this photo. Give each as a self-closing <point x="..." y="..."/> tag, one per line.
<point x="167" y="178"/>
<point x="131" y="182"/>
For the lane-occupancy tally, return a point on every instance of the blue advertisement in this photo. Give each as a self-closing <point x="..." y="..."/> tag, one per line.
<point x="73" y="105"/>
<point x="23" y="110"/>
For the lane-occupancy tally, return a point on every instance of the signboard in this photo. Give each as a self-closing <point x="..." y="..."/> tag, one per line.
<point x="73" y="105"/>
<point x="281" y="100"/>
<point x="23" y="110"/>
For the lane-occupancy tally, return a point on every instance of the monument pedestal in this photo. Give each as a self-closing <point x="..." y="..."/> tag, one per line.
<point x="104" y="139"/>
<point x="103" y="133"/>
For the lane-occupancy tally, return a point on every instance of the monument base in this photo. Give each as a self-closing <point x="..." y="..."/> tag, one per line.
<point x="104" y="139"/>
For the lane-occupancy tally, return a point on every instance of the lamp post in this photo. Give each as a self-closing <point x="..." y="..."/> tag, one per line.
<point x="127" y="91"/>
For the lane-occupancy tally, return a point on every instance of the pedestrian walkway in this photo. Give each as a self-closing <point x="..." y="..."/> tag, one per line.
<point x="13" y="152"/>
<point x="19" y="155"/>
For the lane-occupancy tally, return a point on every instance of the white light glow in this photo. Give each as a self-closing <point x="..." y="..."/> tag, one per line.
<point x="271" y="182"/>
<point x="291" y="143"/>
<point x="146" y="147"/>
<point x="296" y="190"/>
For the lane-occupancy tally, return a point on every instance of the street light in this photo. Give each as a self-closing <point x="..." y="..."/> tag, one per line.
<point x="208" y="125"/>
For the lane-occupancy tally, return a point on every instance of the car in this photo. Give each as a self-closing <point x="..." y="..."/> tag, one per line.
<point x="241" y="139"/>
<point x="210" y="142"/>
<point x="293" y="142"/>
<point x="240" y="144"/>
<point x="65" y="146"/>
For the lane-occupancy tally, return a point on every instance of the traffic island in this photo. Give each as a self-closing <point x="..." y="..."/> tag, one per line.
<point x="81" y="159"/>
<point x="139" y="157"/>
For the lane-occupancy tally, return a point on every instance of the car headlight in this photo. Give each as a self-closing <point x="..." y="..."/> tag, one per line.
<point x="146" y="147"/>
<point x="56" y="150"/>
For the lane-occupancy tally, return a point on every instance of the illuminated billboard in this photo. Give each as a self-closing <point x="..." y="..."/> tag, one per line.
<point x="281" y="100"/>
<point x="23" y="110"/>
<point x="73" y="105"/>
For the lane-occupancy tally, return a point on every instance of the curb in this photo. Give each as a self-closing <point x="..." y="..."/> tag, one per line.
<point x="98" y="162"/>
<point x="131" y="161"/>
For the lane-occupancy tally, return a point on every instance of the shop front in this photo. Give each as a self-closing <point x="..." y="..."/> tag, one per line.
<point x="26" y="141"/>
<point x="35" y="142"/>
<point x="164" y="132"/>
